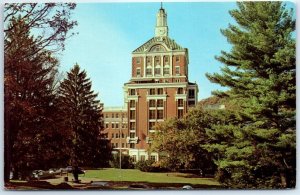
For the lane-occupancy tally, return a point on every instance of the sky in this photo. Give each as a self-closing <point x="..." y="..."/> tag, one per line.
<point x="109" y="32"/>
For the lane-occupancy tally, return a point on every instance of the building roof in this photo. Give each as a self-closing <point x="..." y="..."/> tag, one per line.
<point x="170" y="43"/>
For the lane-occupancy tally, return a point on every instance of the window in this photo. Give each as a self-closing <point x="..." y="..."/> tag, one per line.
<point x="166" y="70"/>
<point x="142" y="157"/>
<point x="106" y="125"/>
<point x="177" y="80"/>
<point x="106" y="116"/>
<point x="117" y="135"/>
<point x="151" y="114"/>
<point x="132" y="125"/>
<point x="180" y="90"/>
<point x="132" y="114"/>
<point x="191" y="93"/>
<point x="112" y="135"/>
<point x="160" y="114"/>
<point x="180" y="102"/>
<point x="117" y="115"/>
<point x="160" y="103"/>
<point x="160" y="91"/>
<point x="152" y="103"/>
<point x="166" y="59"/>
<point x="148" y="60"/>
<point x="112" y="115"/>
<point x="180" y="113"/>
<point x="138" y="72"/>
<point x="149" y="71"/>
<point x="113" y="125"/>
<point x="132" y="146"/>
<point x="157" y="70"/>
<point x="123" y="135"/>
<point x="132" y="92"/>
<point x="177" y="59"/>
<point x="138" y="60"/>
<point x="132" y="104"/>
<point x="133" y="156"/>
<point x="112" y="145"/>
<point x="117" y="125"/>
<point x="157" y="60"/>
<point x="122" y="115"/>
<point x="151" y="125"/>
<point x="124" y="125"/>
<point x="152" y="91"/>
<point x="117" y="145"/>
<point x="152" y="158"/>
<point x="123" y="145"/>
<point x="177" y="70"/>
<point x="132" y="135"/>
<point x="191" y="103"/>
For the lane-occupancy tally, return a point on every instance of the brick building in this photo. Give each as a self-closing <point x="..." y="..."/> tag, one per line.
<point x="158" y="89"/>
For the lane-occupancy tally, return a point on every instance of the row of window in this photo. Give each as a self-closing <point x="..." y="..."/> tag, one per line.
<point x="160" y="91"/>
<point x="117" y="135"/>
<point x="157" y="70"/>
<point x="157" y="60"/>
<point x="116" y="125"/>
<point x="143" y="158"/>
<point x="115" y="115"/>
<point x="116" y="145"/>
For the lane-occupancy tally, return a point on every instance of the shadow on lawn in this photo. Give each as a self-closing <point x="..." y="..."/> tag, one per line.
<point x="109" y="185"/>
<point x="37" y="185"/>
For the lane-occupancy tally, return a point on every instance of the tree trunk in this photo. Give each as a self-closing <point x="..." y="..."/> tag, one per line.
<point x="283" y="180"/>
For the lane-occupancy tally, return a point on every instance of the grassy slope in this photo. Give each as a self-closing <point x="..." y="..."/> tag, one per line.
<point x="138" y="176"/>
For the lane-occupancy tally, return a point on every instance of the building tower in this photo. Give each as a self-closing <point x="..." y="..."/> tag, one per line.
<point x="158" y="89"/>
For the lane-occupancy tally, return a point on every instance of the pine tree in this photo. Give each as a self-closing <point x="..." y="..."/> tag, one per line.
<point x="257" y="148"/>
<point x="81" y="116"/>
<point x="29" y="86"/>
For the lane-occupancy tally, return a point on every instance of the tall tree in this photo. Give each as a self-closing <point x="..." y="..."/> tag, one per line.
<point x="260" y="73"/>
<point x="29" y="85"/>
<point x="82" y="119"/>
<point x="32" y="33"/>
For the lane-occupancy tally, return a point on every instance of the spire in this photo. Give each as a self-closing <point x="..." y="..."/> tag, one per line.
<point x="161" y="28"/>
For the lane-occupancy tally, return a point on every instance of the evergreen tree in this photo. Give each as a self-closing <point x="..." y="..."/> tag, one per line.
<point x="30" y="71"/>
<point x="257" y="147"/>
<point x="82" y="119"/>
<point x="29" y="93"/>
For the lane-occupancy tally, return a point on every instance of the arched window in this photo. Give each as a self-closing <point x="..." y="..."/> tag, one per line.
<point x="157" y="48"/>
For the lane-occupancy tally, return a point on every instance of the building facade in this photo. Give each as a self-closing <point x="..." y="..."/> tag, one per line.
<point x="158" y="89"/>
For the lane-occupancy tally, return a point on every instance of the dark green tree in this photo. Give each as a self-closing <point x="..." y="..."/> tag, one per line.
<point x="81" y="115"/>
<point x="257" y="147"/>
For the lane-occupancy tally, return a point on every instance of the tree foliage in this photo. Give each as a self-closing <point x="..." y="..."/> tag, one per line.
<point x="180" y="142"/>
<point x="257" y="148"/>
<point x="49" y="22"/>
<point x="29" y="86"/>
<point x="32" y="34"/>
<point x="82" y="119"/>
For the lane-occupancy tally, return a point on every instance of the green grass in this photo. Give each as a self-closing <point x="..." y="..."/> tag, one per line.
<point x="134" y="175"/>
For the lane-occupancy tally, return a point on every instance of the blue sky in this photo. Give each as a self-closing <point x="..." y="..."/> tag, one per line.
<point x="109" y="32"/>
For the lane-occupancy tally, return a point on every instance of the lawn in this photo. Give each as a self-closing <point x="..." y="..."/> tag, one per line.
<point x="134" y="175"/>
